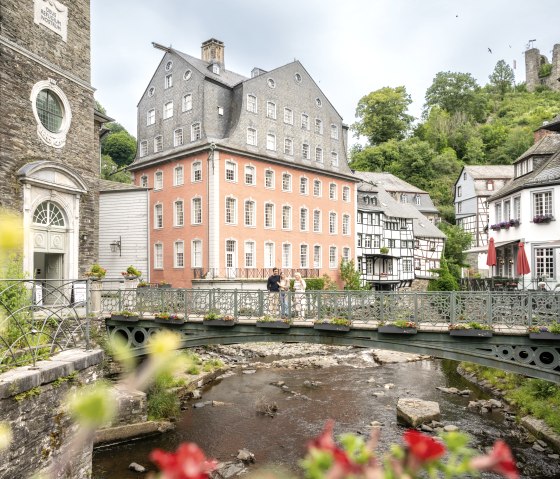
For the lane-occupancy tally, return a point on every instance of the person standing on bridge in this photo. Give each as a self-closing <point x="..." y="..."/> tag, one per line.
<point x="299" y="297"/>
<point x="284" y="288"/>
<point x="273" y="287"/>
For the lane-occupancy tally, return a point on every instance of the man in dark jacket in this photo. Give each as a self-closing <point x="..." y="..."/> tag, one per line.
<point x="273" y="286"/>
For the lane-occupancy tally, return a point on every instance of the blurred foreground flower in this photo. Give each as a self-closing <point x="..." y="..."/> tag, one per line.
<point x="5" y="435"/>
<point x="189" y="462"/>
<point x="500" y="461"/>
<point x="11" y="231"/>
<point x="93" y="406"/>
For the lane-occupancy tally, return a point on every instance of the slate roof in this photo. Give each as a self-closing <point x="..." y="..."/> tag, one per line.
<point x="546" y="174"/>
<point x="552" y="125"/>
<point x="226" y="77"/>
<point x="547" y="145"/>
<point x="114" y="186"/>
<point x="490" y="172"/>
<point x="422" y="227"/>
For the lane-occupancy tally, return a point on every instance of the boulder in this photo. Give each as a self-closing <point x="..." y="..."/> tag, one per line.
<point x="245" y="455"/>
<point x="413" y="412"/>
<point x="134" y="466"/>
<point x="225" y="470"/>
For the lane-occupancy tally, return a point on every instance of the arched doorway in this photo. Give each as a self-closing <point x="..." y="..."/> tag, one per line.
<point x="49" y="230"/>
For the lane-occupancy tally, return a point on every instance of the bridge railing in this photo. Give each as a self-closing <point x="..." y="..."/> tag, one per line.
<point x="508" y="310"/>
<point x="41" y="317"/>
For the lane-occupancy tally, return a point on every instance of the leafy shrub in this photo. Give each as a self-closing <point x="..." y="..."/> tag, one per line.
<point x="163" y="403"/>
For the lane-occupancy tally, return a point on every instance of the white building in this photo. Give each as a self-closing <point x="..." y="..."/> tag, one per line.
<point x="526" y="209"/>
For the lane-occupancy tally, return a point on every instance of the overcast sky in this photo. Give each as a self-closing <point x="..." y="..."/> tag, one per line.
<point x="349" y="47"/>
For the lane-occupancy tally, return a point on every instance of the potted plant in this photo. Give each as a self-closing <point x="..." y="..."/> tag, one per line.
<point x="164" y="284"/>
<point x="542" y="219"/>
<point x="143" y="284"/>
<point x="125" y="315"/>
<point x="214" y="318"/>
<point x="270" y="322"/>
<point x="333" y="324"/>
<point x="96" y="272"/>
<point x="400" y="326"/>
<point x="131" y="273"/>
<point x="470" y="329"/>
<point x="165" y="317"/>
<point x="551" y="331"/>
<point x="384" y="250"/>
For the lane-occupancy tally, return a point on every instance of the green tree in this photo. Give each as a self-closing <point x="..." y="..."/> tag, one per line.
<point x="110" y="171"/>
<point x="445" y="281"/>
<point x="455" y="93"/>
<point x="457" y="242"/>
<point x="120" y="146"/>
<point x="502" y="78"/>
<point x="382" y="115"/>
<point x="349" y="275"/>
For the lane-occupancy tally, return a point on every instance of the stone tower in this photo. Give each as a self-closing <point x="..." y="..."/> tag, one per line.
<point x="539" y="71"/>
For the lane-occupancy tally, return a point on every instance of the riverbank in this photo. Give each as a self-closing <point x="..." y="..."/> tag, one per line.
<point x="534" y="402"/>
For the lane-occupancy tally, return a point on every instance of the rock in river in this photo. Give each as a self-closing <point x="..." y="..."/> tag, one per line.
<point x="414" y="412"/>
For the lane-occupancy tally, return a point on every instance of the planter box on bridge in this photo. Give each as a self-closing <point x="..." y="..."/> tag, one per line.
<point x="272" y="324"/>
<point x="545" y="335"/>
<point x="169" y="321"/>
<point x="227" y="323"/>
<point x="471" y="333"/>
<point x="391" y="329"/>
<point x="331" y="327"/>
<point x="122" y="317"/>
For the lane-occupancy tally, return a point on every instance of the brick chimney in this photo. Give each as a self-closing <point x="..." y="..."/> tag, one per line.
<point x="213" y="52"/>
<point x="548" y="128"/>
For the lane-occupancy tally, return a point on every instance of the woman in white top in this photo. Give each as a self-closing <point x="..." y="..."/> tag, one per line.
<point x="299" y="297"/>
<point x="284" y="285"/>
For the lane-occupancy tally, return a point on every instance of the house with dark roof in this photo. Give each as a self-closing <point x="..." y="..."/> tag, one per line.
<point x="527" y="208"/>
<point x="475" y="184"/>
<point x="246" y="173"/>
<point x="396" y="244"/>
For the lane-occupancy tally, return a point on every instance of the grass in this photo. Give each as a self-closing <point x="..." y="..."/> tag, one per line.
<point x="536" y="397"/>
<point x="212" y="364"/>
<point x="163" y="403"/>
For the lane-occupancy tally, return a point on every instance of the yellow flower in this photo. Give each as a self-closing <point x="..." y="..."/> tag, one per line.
<point x="11" y="231"/>
<point x="163" y="343"/>
<point x="93" y="406"/>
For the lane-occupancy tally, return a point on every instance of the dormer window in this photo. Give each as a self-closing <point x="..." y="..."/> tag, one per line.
<point x="215" y="68"/>
<point x="490" y="185"/>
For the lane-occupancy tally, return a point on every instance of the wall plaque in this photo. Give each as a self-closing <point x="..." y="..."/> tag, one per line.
<point x="53" y="15"/>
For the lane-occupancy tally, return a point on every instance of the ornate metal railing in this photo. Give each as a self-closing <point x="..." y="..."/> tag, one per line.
<point x="504" y="310"/>
<point x="250" y="273"/>
<point x="41" y="317"/>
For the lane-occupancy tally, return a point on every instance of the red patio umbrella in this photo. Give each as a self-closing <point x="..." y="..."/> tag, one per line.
<point x="522" y="264"/>
<point x="491" y="257"/>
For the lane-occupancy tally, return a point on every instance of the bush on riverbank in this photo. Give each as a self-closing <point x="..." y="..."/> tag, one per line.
<point x="536" y="397"/>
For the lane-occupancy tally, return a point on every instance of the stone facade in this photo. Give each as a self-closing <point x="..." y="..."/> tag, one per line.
<point x="29" y="54"/>
<point x="533" y="63"/>
<point x="32" y="402"/>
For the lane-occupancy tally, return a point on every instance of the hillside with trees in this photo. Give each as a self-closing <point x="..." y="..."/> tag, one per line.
<point x="463" y="123"/>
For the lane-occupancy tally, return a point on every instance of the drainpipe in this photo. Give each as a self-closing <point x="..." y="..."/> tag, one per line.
<point x="209" y="243"/>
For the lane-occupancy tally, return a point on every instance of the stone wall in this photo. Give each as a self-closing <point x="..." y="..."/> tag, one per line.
<point x="533" y="62"/>
<point x="32" y="403"/>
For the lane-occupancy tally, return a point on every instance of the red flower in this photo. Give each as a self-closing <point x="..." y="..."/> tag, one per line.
<point x="189" y="462"/>
<point x="423" y="448"/>
<point x="500" y="461"/>
<point x="325" y="441"/>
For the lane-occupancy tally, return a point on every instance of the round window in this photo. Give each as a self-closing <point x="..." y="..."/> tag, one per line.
<point x="297" y="77"/>
<point x="168" y="65"/>
<point x="151" y="91"/>
<point x="318" y="102"/>
<point x="271" y="83"/>
<point x="187" y="75"/>
<point x="50" y="110"/>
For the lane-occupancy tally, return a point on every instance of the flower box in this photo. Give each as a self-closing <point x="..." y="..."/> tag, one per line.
<point x="169" y="320"/>
<point x="545" y="335"/>
<point x="331" y="327"/>
<point x="126" y="318"/>
<point x="219" y="322"/>
<point x="272" y="324"/>
<point x="472" y="333"/>
<point x="392" y="329"/>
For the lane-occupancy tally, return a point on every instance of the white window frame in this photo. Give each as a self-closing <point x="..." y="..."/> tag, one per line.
<point x="303" y="185"/>
<point x="334" y="158"/>
<point x="305" y="151"/>
<point x="304" y="255"/>
<point x="286" y="255"/>
<point x="252" y="103"/>
<point x="317" y="258"/>
<point x="318" y="126"/>
<point x="233" y="169"/>
<point x="158" y="180"/>
<point x="332" y="191"/>
<point x="168" y="110"/>
<point x="252" y="136"/>
<point x="288" y="116"/>
<point x="319" y="154"/>
<point x="178" y="137"/>
<point x="232" y="201"/>
<point x="286" y="182"/>
<point x="317" y="188"/>
<point x="334" y="131"/>
<point x="269" y="259"/>
<point x="317" y="220"/>
<point x="272" y="217"/>
<point x="196" y="210"/>
<point x="304" y="219"/>
<point x="271" y="110"/>
<point x="286" y="217"/>
<point x="196" y="171"/>
<point x="179" y="254"/>
<point x="196" y="131"/>
<point x="346" y="194"/>
<point x="543" y="203"/>
<point x="158" y="216"/>
<point x="250" y="248"/>
<point x="158" y="256"/>
<point x="333" y="258"/>
<point x="143" y="148"/>
<point x="288" y="146"/>
<point x="346" y="253"/>
<point x="178" y="176"/>
<point x="271" y="141"/>
<point x="178" y="213"/>
<point x="144" y="181"/>
<point x="151" y="117"/>
<point x="196" y="253"/>
<point x="249" y="213"/>
<point x="269" y="178"/>
<point x="250" y="175"/>
<point x="187" y="102"/>
<point x="158" y="143"/>
<point x="333" y="223"/>
<point x="168" y="82"/>
<point x="305" y="121"/>
<point x="345" y="224"/>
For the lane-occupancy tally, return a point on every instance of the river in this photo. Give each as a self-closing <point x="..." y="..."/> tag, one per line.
<point x="346" y="394"/>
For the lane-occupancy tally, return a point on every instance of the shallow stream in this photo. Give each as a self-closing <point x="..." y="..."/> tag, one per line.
<point x="345" y="394"/>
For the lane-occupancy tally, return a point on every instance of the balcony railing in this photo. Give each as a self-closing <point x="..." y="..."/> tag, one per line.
<point x="251" y="273"/>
